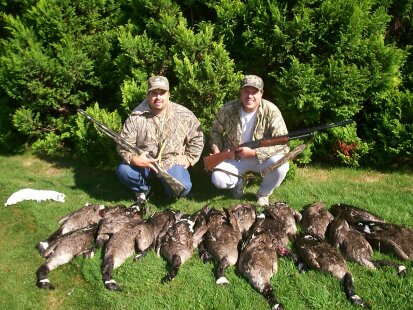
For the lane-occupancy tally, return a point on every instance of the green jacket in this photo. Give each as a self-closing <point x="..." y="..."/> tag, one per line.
<point x="176" y="128"/>
<point x="226" y="129"/>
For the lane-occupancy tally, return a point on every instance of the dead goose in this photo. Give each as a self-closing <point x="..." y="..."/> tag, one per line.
<point x="89" y="214"/>
<point x="258" y="263"/>
<point x="114" y="219"/>
<point x="389" y="238"/>
<point x="353" y="214"/>
<point x="135" y="235"/>
<point x="180" y="240"/>
<point x="316" y="219"/>
<point x="316" y="253"/>
<point x="245" y="215"/>
<point x="221" y="241"/>
<point x="280" y="222"/>
<point x="68" y="246"/>
<point x="268" y="238"/>
<point x="350" y="242"/>
<point x="355" y="247"/>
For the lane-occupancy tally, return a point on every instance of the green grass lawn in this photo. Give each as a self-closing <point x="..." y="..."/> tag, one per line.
<point x="79" y="284"/>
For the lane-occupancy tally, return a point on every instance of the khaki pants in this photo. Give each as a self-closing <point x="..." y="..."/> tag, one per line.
<point x="270" y="181"/>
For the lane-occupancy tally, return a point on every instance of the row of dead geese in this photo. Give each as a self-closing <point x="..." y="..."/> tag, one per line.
<point x="234" y="236"/>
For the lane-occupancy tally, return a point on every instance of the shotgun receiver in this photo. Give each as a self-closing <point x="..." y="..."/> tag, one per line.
<point x="213" y="160"/>
<point x="176" y="186"/>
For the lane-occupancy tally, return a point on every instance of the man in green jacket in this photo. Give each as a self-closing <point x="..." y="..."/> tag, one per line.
<point x="249" y="118"/>
<point x="164" y="130"/>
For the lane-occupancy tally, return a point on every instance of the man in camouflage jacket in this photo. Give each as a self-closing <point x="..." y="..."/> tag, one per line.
<point x="249" y="118"/>
<point x="164" y="130"/>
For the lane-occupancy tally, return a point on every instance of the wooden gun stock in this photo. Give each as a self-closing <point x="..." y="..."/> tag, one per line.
<point x="213" y="160"/>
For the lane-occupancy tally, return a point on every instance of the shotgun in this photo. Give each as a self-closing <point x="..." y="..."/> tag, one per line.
<point x="213" y="160"/>
<point x="176" y="186"/>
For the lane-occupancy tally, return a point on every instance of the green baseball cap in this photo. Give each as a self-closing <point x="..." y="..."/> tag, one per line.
<point x="158" y="82"/>
<point x="253" y="81"/>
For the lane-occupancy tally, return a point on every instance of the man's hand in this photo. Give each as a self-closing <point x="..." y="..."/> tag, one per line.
<point x="143" y="161"/>
<point x="183" y="161"/>
<point x="244" y="153"/>
<point x="214" y="150"/>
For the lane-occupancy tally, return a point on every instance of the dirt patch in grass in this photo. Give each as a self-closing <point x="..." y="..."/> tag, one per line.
<point x="55" y="300"/>
<point x="314" y="174"/>
<point x="28" y="162"/>
<point x="370" y="178"/>
<point x="38" y="166"/>
<point x="52" y="171"/>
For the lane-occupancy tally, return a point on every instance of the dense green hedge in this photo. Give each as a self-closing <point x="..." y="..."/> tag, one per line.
<point x="321" y="61"/>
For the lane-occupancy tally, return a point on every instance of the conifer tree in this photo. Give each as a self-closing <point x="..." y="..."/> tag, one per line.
<point x="200" y="70"/>
<point x="56" y="57"/>
<point x="323" y="61"/>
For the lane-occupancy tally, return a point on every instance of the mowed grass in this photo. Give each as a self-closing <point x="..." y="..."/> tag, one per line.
<point x="79" y="283"/>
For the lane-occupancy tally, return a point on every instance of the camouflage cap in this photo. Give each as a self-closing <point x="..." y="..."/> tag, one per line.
<point x="253" y="81"/>
<point x="158" y="82"/>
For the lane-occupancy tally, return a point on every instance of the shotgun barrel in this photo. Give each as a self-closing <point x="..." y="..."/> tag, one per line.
<point x="213" y="160"/>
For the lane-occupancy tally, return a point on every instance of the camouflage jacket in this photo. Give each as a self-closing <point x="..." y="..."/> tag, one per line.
<point x="226" y="129"/>
<point x="176" y="129"/>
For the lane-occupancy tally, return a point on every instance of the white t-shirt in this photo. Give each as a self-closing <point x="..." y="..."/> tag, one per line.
<point x="247" y="125"/>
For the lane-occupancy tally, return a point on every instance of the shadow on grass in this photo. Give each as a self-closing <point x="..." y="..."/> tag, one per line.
<point x="104" y="184"/>
<point x="98" y="183"/>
